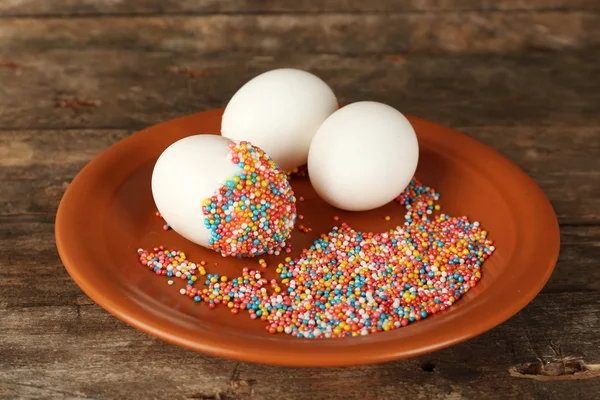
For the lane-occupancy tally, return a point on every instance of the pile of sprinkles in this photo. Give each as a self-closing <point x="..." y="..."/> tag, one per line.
<point x="351" y="283"/>
<point x="254" y="211"/>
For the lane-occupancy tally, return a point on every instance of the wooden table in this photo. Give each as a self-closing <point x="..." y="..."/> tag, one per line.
<point x="77" y="76"/>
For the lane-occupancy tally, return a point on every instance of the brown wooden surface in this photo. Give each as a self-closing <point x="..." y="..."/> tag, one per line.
<point x="77" y="76"/>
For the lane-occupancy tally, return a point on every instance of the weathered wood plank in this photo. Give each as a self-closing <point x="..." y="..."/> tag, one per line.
<point x="31" y="262"/>
<point x="456" y="32"/>
<point x="37" y="166"/>
<point x="83" y="352"/>
<point x="145" y="7"/>
<point x="562" y="160"/>
<point x="127" y="89"/>
<point x="578" y="265"/>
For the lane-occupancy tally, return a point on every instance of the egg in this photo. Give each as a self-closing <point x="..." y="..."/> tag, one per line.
<point x="225" y="195"/>
<point x="279" y="111"/>
<point x="363" y="156"/>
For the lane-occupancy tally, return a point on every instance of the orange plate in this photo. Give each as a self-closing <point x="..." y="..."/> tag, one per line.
<point x="108" y="212"/>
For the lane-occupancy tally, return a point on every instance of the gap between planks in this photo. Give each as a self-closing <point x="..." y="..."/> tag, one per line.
<point x="291" y="13"/>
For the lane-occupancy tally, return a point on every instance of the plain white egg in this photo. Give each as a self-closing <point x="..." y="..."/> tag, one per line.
<point x="280" y="111"/>
<point x="187" y="172"/>
<point x="363" y="156"/>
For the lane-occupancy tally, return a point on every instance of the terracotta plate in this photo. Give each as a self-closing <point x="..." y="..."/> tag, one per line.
<point x="108" y="212"/>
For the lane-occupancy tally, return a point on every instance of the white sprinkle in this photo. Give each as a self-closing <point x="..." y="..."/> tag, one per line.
<point x="170" y="282"/>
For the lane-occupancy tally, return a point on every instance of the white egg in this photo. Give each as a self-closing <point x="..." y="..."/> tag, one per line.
<point x="187" y="172"/>
<point x="280" y="111"/>
<point x="203" y="171"/>
<point x="363" y="156"/>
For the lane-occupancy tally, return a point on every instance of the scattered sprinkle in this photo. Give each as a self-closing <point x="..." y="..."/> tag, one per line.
<point x="166" y="226"/>
<point x="351" y="283"/>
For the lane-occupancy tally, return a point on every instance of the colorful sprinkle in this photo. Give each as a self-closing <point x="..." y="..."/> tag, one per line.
<point x="302" y="171"/>
<point x="351" y="283"/>
<point x="166" y="226"/>
<point x="254" y="211"/>
<point x="304" y="229"/>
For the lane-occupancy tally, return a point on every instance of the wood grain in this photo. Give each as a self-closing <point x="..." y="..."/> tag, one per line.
<point x="79" y="75"/>
<point x="37" y="166"/>
<point x="133" y="90"/>
<point x="80" y="351"/>
<point x="144" y="7"/>
<point x="31" y="257"/>
<point x="343" y="34"/>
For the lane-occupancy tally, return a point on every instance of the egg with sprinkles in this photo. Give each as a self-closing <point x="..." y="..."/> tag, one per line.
<point x="228" y="196"/>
